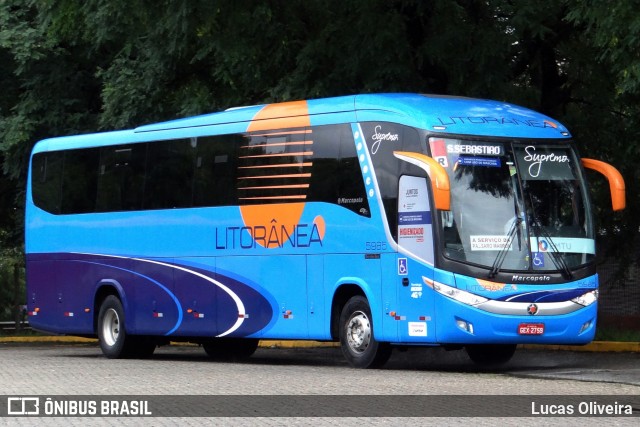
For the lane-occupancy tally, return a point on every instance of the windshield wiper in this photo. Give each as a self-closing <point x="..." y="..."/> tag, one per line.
<point x="556" y="257"/>
<point x="502" y="255"/>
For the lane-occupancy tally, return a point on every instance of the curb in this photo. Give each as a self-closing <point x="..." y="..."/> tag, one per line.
<point x="596" y="346"/>
<point x="297" y="344"/>
<point x="48" y="339"/>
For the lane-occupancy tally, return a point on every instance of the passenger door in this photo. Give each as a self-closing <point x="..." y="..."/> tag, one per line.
<point x="415" y="261"/>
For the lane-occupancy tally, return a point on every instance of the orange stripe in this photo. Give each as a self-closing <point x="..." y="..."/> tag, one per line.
<point x="273" y="198"/>
<point x="293" y="132"/>
<point x="293" y="114"/>
<point x="299" y="153"/>
<point x="271" y="187"/>
<point x="292" y="175"/>
<point x="437" y="174"/>
<point x="283" y="165"/>
<point x="277" y="144"/>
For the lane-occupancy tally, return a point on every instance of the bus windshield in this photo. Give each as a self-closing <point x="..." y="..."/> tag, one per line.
<point x="515" y="206"/>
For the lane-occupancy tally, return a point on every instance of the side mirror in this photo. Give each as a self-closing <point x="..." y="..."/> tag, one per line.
<point x="616" y="182"/>
<point x="437" y="174"/>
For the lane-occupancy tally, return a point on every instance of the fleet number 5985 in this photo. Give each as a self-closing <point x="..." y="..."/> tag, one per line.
<point x="375" y="246"/>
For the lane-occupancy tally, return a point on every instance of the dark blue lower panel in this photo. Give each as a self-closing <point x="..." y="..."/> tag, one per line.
<point x="160" y="297"/>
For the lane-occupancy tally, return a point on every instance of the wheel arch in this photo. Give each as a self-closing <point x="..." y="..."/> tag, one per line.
<point x="104" y="288"/>
<point x="345" y="289"/>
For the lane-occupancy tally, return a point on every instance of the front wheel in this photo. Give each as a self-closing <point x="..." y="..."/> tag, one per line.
<point x="491" y="354"/>
<point x="357" y="341"/>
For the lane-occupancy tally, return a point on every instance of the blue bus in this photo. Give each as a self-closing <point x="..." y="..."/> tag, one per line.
<point x="378" y="220"/>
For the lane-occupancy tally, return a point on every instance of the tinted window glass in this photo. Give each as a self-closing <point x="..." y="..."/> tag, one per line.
<point x="215" y="170"/>
<point x="46" y="181"/>
<point x="79" y="181"/>
<point x="336" y="176"/>
<point x="274" y="167"/>
<point x="121" y="178"/>
<point x="281" y="166"/>
<point x="325" y="177"/>
<point x="169" y="174"/>
<point x="382" y="140"/>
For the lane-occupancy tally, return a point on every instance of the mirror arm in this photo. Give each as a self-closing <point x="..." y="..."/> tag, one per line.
<point x="616" y="181"/>
<point x="437" y="174"/>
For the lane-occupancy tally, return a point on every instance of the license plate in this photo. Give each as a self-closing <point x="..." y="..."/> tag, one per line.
<point x="531" y="329"/>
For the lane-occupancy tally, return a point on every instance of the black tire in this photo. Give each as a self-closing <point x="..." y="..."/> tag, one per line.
<point x="112" y="335"/>
<point x="230" y="348"/>
<point x="491" y="354"/>
<point x="357" y="340"/>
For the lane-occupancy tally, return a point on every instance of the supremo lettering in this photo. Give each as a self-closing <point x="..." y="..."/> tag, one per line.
<point x="274" y="236"/>
<point x="538" y="159"/>
<point x="378" y="137"/>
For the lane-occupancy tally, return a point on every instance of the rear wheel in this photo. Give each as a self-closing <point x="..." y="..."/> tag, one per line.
<point x="114" y="340"/>
<point x="357" y="341"/>
<point x="230" y="348"/>
<point x="491" y="354"/>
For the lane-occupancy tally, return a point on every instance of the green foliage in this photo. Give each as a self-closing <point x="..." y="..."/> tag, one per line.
<point x="614" y="29"/>
<point x="12" y="286"/>
<point x="617" y="334"/>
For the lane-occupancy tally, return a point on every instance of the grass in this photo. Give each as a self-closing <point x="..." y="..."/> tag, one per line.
<point x="619" y="335"/>
<point x="26" y="332"/>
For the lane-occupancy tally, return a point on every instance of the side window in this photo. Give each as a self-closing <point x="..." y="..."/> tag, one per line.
<point x="281" y="166"/>
<point x="46" y="180"/>
<point x="79" y="181"/>
<point x="169" y="174"/>
<point x="121" y="178"/>
<point x="274" y="167"/>
<point x="335" y="176"/>
<point x="325" y="179"/>
<point x="215" y="170"/>
<point x="352" y="192"/>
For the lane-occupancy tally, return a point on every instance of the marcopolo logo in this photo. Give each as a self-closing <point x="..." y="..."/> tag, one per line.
<point x="530" y="279"/>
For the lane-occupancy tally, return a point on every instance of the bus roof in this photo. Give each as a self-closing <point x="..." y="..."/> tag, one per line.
<point x="435" y="113"/>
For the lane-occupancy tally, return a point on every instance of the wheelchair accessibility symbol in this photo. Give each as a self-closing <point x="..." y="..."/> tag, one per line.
<point x="538" y="259"/>
<point x="403" y="270"/>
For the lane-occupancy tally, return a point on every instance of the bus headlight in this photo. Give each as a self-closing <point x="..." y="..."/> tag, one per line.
<point x="587" y="299"/>
<point x="458" y="295"/>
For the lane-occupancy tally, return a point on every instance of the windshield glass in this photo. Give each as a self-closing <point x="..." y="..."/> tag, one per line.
<point x="556" y="205"/>
<point x="514" y="206"/>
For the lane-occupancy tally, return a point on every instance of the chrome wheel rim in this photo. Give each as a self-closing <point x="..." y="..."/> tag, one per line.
<point x="358" y="332"/>
<point x="111" y="327"/>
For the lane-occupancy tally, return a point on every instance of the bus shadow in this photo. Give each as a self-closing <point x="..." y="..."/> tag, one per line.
<point x="433" y="359"/>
